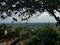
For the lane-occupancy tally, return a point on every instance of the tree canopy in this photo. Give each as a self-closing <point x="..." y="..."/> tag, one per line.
<point x="26" y="8"/>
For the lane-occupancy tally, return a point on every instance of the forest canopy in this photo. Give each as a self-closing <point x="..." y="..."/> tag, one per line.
<point x="26" y="8"/>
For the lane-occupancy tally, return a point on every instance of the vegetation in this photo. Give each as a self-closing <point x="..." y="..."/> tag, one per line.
<point x="26" y="8"/>
<point x="37" y="35"/>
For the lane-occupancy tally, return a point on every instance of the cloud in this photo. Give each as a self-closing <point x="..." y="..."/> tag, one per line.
<point x="44" y="17"/>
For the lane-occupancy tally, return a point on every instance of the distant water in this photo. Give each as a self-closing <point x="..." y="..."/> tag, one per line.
<point x="28" y="24"/>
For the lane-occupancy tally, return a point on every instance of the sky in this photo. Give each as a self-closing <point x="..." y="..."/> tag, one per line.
<point x="41" y="18"/>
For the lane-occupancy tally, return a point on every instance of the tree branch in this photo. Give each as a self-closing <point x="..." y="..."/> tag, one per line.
<point x="52" y="13"/>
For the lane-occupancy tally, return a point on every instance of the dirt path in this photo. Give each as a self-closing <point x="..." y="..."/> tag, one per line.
<point x="9" y="41"/>
<point x="20" y="43"/>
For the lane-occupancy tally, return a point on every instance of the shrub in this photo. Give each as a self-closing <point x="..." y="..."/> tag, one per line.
<point x="45" y="36"/>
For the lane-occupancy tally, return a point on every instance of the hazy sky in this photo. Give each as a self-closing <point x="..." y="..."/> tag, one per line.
<point x="44" y="17"/>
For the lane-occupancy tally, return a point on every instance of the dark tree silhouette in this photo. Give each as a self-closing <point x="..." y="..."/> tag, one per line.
<point x="26" y="8"/>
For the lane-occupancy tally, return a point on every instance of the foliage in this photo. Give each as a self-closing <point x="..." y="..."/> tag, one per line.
<point x="45" y="36"/>
<point x="37" y="35"/>
<point x="26" y="8"/>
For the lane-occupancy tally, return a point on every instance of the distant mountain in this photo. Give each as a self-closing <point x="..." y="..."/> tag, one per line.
<point x="28" y="24"/>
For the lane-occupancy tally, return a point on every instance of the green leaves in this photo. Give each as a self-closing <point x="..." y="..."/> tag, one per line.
<point x="45" y="36"/>
<point x="37" y="35"/>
